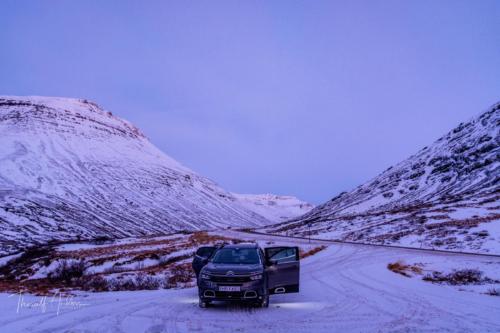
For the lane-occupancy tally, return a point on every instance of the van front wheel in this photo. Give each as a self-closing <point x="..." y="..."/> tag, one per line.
<point x="203" y="304"/>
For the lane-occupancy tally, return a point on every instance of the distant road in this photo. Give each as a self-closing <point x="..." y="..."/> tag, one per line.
<point x="327" y="241"/>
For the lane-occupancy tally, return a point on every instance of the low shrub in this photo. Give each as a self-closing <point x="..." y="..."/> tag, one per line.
<point x="458" y="277"/>
<point x="119" y="284"/>
<point x="96" y="283"/>
<point x="493" y="292"/>
<point x="466" y="276"/>
<point x="179" y="274"/>
<point x="144" y="281"/>
<point x="67" y="270"/>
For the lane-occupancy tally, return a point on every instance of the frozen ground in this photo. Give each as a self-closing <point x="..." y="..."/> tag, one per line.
<point x="345" y="288"/>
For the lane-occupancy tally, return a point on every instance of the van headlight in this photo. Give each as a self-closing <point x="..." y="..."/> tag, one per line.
<point x="205" y="276"/>
<point x="256" y="277"/>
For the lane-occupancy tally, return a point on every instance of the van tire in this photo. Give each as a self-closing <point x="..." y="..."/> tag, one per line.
<point x="203" y="304"/>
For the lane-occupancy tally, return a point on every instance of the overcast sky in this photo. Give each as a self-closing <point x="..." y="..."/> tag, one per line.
<point x="307" y="98"/>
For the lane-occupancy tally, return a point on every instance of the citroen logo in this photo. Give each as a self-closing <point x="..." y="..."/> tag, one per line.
<point x="230" y="273"/>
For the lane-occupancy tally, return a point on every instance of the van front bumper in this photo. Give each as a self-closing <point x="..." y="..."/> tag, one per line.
<point x="249" y="291"/>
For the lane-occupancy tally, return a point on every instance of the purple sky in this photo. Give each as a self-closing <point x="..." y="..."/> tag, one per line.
<point x="307" y="98"/>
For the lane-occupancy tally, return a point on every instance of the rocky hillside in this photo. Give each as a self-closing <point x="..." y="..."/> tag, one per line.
<point x="445" y="196"/>
<point x="71" y="170"/>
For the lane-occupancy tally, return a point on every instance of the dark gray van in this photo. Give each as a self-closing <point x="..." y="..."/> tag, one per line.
<point x="245" y="272"/>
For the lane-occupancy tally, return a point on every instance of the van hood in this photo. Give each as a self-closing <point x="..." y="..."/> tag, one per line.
<point x="223" y="269"/>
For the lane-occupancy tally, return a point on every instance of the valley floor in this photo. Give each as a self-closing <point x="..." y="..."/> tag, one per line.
<point x="344" y="288"/>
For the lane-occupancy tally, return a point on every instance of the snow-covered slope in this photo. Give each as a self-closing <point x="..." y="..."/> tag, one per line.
<point x="447" y="195"/>
<point x="275" y="208"/>
<point x="71" y="169"/>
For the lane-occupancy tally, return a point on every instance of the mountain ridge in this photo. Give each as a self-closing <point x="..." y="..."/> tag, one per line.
<point x="71" y="170"/>
<point x="453" y="181"/>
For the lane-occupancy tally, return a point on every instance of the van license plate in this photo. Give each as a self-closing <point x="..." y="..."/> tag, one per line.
<point x="229" y="288"/>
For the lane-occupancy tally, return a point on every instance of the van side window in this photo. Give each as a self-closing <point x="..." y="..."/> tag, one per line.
<point x="285" y="255"/>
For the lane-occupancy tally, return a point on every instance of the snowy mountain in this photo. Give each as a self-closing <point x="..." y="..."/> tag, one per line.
<point x="69" y="169"/>
<point x="445" y="196"/>
<point x="275" y="208"/>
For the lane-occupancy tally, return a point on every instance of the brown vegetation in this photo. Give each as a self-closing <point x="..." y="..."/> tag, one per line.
<point x="202" y="237"/>
<point x="180" y="275"/>
<point x="400" y="267"/>
<point x="167" y="258"/>
<point x="311" y="252"/>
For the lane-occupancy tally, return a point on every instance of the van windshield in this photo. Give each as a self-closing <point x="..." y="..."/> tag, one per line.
<point x="237" y="256"/>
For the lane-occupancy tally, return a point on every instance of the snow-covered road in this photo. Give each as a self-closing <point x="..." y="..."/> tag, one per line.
<point x="345" y="288"/>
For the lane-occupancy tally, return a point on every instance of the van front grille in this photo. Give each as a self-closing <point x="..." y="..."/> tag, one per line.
<point x="229" y="279"/>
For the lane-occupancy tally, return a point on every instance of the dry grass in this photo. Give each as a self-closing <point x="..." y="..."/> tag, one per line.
<point x="311" y="252"/>
<point x="38" y="287"/>
<point x="181" y="275"/>
<point x="117" y="249"/>
<point x="202" y="237"/>
<point x="400" y="267"/>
